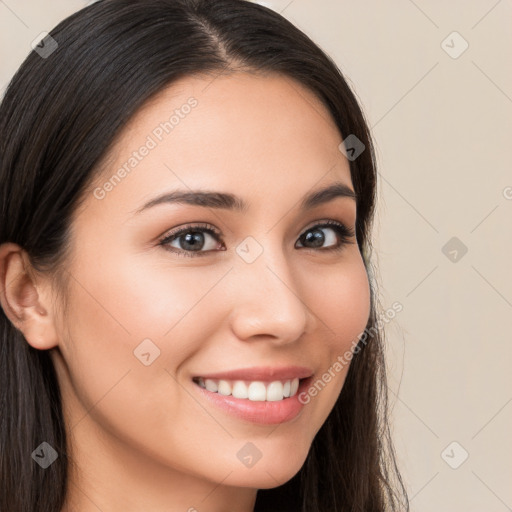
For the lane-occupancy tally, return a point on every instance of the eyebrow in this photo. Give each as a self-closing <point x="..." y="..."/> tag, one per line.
<point x="227" y="201"/>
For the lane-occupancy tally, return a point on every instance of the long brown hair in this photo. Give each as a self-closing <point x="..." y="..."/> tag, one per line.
<point x="58" y="119"/>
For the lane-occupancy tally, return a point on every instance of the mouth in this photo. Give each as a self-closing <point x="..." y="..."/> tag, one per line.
<point x="255" y="391"/>
<point x="264" y="395"/>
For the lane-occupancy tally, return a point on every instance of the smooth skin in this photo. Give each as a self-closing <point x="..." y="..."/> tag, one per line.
<point x="142" y="437"/>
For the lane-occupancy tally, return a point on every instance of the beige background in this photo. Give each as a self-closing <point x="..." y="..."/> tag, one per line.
<point x="442" y="126"/>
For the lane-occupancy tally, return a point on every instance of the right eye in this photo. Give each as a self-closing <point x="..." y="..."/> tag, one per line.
<point x="191" y="239"/>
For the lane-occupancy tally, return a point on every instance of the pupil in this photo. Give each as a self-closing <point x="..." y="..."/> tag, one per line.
<point x="317" y="237"/>
<point x="193" y="239"/>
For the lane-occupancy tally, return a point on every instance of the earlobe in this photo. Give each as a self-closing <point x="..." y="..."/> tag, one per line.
<point x="23" y="300"/>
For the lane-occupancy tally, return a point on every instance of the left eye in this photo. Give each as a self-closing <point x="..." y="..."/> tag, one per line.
<point x="191" y="239"/>
<point x="317" y="238"/>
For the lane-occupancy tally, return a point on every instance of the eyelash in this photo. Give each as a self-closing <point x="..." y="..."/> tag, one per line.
<point x="345" y="234"/>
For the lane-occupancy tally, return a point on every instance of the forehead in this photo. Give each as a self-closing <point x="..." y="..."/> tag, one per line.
<point x="254" y="135"/>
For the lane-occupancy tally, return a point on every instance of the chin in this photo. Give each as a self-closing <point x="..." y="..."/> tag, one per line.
<point x="267" y="475"/>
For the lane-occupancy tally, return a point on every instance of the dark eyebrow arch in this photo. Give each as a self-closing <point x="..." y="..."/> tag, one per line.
<point x="226" y="201"/>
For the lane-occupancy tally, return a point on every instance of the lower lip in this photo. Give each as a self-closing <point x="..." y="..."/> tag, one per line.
<point x="262" y="412"/>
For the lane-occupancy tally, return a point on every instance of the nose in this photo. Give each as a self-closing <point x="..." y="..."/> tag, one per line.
<point x="267" y="303"/>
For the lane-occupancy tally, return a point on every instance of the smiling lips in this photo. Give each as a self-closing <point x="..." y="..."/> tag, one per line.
<point x="259" y="395"/>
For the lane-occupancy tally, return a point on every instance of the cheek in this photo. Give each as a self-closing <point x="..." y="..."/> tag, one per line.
<point x="131" y="299"/>
<point x="342" y="303"/>
<point x="343" y="308"/>
<point x="112" y="310"/>
<point x="118" y="304"/>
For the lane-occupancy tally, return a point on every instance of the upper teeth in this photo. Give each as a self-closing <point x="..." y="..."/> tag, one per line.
<point x="256" y="391"/>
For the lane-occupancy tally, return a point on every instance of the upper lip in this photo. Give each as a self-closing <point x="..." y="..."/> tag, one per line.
<point x="262" y="373"/>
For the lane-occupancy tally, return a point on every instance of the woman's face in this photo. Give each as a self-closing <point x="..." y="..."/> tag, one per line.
<point x="147" y="318"/>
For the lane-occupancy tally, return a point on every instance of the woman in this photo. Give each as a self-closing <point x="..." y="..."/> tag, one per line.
<point x="188" y="316"/>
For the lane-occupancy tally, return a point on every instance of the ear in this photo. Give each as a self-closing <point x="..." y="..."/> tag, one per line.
<point x="25" y="299"/>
